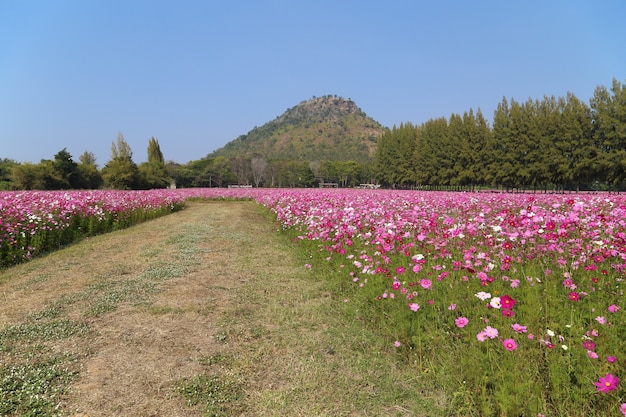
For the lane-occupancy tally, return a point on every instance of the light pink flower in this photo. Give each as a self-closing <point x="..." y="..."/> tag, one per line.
<point x="613" y="308"/>
<point x="397" y="344"/>
<point x="461" y="322"/>
<point x="481" y="336"/>
<point x="414" y="306"/>
<point x="519" y="328"/>
<point x="601" y="319"/>
<point x="426" y="283"/>
<point x="491" y="332"/>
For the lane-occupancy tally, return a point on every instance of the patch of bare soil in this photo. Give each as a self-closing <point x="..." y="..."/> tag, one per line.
<point x="152" y="297"/>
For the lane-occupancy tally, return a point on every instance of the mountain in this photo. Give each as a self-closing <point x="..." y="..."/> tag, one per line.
<point x="322" y="128"/>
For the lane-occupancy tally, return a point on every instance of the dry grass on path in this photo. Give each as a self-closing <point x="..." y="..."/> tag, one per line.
<point x="207" y="311"/>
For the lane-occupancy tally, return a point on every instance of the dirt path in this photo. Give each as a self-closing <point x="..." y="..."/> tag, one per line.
<point x="152" y="296"/>
<point x="203" y="312"/>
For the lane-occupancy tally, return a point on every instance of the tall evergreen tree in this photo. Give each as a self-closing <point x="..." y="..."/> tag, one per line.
<point x="578" y="144"/>
<point x="121" y="172"/>
<point x="609" y="118"/>
<point x="153" y="174"/>
<point x="154" y="151"/>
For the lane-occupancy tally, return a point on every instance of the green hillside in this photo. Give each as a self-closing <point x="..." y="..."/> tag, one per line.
<point x="322" y="128"/>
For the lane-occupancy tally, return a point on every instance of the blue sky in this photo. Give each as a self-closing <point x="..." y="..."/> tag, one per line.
<point x="197" y="74"/>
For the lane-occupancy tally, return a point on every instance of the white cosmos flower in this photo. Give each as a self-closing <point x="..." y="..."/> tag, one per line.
<point x="483" y="295"/>
<point x="495" y="302"/>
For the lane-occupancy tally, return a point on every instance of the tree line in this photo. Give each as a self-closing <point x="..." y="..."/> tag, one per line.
<point x="121" y="172"/>
<point x="62" y="172"/>
<point x="552" y="143"/>
<point x="259" y="171"/>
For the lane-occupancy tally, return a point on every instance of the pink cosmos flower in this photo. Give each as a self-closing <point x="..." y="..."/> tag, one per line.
<point x="519" y="328"/>
<point x="481" y="336"/>
<point x="509" y="344"/>
<point x="611" y="359"/>
<point x="452" y="307"/>
<point x="414" y="306"/>
<point x="607" y="383"/>
<point x="515" y="283"/>
<point x="426" y="283"/>
<point x="461" y="322"/>
<point x="490" y="332"/>
<point x="601" y="319"/>
<point x="592" y="354"/>
<point x="507" y="312"/>
<point x="507" y="302"/>
<point x="622" y="408"/>
<point x="573" y="296"/>
<point x="589" y="345"/>
<point x="613" y="308"/>
<point x="397" y="344"/>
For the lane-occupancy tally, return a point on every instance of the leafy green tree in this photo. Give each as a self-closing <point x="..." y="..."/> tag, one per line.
<point x="6" y="166"/>
<point x="153" y="174"/>
<point x="121" y="172"/>
<point x="219" y="172"/>
<point x="67" y="170"/>
<point x="349" y="173"/>
<point x="26" y="176"/>
<point x="90" y="177"/>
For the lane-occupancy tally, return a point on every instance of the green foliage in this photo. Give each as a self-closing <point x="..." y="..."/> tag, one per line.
<point x="66" y="169"/>
<point x="217" y="395"/>
<point x="154" y="151"/>
<point x="323" y="128"/>
<point x="32" y="390"/>
<point x="553" y="143"/>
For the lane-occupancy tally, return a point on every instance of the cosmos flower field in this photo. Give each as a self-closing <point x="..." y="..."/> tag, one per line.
<point x="510" y="304"/>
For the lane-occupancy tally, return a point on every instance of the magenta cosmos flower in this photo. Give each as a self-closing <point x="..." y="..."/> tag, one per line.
<point x="607" y="383"/>
<point x="461" y="322"/>
<point x="507" y="302"/>
<point x="509" y="344"/>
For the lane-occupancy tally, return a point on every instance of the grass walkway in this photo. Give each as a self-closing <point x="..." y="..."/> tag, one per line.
<point x="205" y="312"/>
